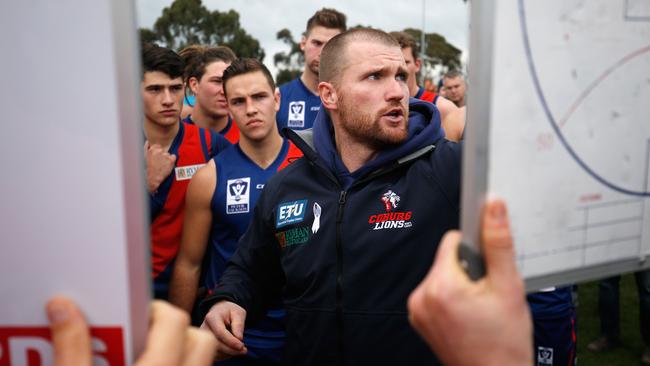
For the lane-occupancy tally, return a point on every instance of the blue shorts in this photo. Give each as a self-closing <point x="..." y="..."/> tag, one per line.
<point x="555" y="340"/>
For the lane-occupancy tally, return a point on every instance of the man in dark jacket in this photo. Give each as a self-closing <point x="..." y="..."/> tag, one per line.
<point x="346" y="233"/>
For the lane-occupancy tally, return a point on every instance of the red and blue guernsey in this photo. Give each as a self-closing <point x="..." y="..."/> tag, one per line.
<point x="239" y="184"/>
<point x="426" y="95"/>
<point x="193" y="147"/>
<point x="298" y="106"/>
<point x="230" y="132"/>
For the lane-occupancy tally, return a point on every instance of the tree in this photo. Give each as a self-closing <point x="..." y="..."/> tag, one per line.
<point x="289" y="64"/>
<point x="187" y="22"/>
<point x="438" y="51"/>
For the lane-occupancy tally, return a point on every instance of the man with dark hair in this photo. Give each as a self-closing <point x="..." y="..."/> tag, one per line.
<point x="455" y="87"/>
<point x="346" y="233"/>
<point x="452" y="121"/>
<point x="299" y="98"/>
<point x="203" y="73"/>
<point x="173" y="152"/>
<point x="221" y="197"/>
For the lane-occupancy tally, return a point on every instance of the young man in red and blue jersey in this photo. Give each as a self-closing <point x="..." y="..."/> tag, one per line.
<point x="204" y="66"/>
<point x="222" y="196"/>
<point x="174" y="151"/>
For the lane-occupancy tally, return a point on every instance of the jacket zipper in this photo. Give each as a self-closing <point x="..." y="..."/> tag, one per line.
<point x="339" y="277"/>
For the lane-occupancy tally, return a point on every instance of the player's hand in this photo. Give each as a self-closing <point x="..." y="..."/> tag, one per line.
<point x="170" y="341"/>
<point x="486" y="322"/>
<point x="159" y="163"/>
<point x="226" y="320"/>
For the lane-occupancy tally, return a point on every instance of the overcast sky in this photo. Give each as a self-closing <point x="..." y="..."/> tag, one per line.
<point x="263" y="19"/>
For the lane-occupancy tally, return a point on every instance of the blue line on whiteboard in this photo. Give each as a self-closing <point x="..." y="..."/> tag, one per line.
<point x="549" y="115"/>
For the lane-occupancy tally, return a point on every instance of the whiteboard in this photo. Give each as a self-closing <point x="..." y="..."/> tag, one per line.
<point x="559" y="126"/>
<point x="72" y="199"/>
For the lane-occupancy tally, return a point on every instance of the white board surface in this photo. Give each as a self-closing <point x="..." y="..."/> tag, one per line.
<point x="559" y="126"/>
<point x="72" y="197"/>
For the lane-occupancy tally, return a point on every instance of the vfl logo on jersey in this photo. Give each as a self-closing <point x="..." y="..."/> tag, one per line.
<point x="544" y="356"/>
<point x="391" y="219"/>
<point x="186" y="172"/>
<point x="296" y="114"/>
<point x="238" y="195"/>
<point x="291" y="213"/>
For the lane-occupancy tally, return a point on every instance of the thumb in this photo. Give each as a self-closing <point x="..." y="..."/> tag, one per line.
<point x="237" y="320"/>
<point x="70" y="334"/>
<point x="172" y="158"/>
<point x="496" y="242"/>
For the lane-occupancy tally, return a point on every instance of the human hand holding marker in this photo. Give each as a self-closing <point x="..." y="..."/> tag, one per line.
<point x="486" y="322"/>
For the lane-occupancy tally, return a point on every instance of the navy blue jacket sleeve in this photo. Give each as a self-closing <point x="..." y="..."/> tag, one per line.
<point x="253" y="277"/>
<point x="446" y="170"/>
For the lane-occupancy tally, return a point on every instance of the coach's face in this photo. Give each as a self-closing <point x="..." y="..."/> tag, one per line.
<point x="372" y="94"/>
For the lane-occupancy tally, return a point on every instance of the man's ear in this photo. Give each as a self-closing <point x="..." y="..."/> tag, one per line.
<point x="193" y="82"/>
<point x="303" y="42"/>
<point x="277" y="98"/>
<point x="328" y="95"/>
<point x="418" y="65"/>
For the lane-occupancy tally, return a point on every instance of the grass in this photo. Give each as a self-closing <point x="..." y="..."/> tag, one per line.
<point x="629" y="353"/>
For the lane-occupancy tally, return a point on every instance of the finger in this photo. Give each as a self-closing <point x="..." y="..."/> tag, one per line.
<point x="166" y="335"/>
<point x="224" y="351"/>
<point x="224" y="337"/>
<point x="172" y="158"/>
<point x="200" y="347"/>
<point x="237" y="324"/>
<point x="445" y="265"/>
<point x="496" y="243"/>
<point x="70" y="334"/>
<point x="446" y="261"/>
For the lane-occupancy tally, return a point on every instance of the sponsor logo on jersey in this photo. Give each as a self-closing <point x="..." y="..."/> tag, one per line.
<point x="296" y="114"/>
<point x="186" y="172"/>
<point x="259" y="186"/>
<point x="291" y="213"/>
<point x="391" y="218"/>
<point x="544" y="356"/>
<point x="298" y="235"/>
<point x="238" y="195"/>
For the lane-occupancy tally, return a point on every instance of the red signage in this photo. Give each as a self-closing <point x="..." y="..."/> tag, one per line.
<point x="31" y="346"/>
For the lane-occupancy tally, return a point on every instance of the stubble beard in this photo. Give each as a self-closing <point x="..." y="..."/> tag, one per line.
<point x="366" y="129"/>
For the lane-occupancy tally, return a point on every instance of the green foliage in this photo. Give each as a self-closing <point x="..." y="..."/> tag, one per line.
<point x="147" y="35"/>
<point x="289" y="64"/>
<point x="438" y="51"/>
<point x="187" y="22"/>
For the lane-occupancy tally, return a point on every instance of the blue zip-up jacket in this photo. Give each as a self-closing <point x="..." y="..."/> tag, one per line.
<point x="345" y="250"/>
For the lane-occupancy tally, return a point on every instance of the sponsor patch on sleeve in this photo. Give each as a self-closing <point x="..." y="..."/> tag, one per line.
<point x="290" y="213"/>
<point x="186" y="172"/>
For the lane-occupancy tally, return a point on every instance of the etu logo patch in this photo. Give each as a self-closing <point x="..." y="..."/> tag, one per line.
<point x="290" y="213"/>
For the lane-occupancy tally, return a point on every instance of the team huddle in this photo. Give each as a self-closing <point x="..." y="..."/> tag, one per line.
<point x="293" y="222"/>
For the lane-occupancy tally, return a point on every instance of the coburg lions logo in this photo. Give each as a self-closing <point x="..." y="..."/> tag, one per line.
<point x="391" y="219"/>
<point x="390" y="199"/>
